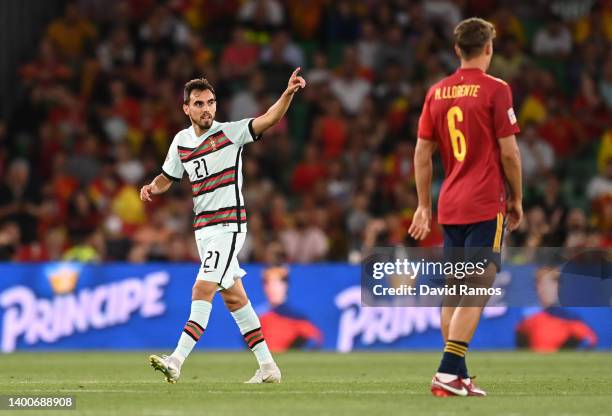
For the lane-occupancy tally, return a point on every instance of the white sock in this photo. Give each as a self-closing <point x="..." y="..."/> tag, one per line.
<point x="193" y="330"/>
<point x="250" y="328"/>
<point x="445" y="378"/>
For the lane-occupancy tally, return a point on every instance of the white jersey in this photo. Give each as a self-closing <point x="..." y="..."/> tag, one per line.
<point x="213" y="163"/>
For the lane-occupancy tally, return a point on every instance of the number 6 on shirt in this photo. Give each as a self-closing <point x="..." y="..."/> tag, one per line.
<point x="456" y="136"/>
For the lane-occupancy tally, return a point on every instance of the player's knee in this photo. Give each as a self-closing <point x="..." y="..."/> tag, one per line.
<point x="203" y="290"/>
<point x="235" y="301"/>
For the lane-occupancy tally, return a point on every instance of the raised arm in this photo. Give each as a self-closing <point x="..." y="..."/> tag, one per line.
<point x="511" y="163"/>
<point x="159" y="185"/>
<point x="279" y="108"/>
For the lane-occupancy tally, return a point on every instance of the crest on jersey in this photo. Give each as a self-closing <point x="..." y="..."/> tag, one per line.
<point x="511" y="116"/>
<point x="213" y="144"/>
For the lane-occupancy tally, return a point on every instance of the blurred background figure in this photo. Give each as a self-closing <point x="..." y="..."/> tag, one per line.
<point x="553" y="327"/>
<point x="284" y="326"/>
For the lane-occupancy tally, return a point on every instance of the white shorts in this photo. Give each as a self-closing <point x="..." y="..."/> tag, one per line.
<point x="219" y="258"/>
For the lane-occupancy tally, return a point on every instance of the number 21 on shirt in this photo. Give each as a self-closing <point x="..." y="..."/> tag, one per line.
<point x="457" y="138"/>
<point x="200" y="163"/>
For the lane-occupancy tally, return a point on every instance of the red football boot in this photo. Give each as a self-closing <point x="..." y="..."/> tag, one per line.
<point x="455" y="387"/>
<point x="473" y="389"/>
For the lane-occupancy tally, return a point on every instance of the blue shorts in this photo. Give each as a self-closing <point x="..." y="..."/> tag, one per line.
<point x="480" y="241"/>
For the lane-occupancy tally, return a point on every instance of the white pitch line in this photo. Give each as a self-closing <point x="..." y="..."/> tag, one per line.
<point x="290" y="392"/>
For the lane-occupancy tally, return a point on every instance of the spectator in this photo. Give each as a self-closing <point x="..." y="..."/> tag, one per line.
<point x="304" y="242"/>
<point x="537" y="156"/>
<point x="319" y="72"/>
<point x="560" y="129"/>
<point x="277" y="70"/>
<point x="538" y="84"/>
<point x="445" y="11"/>
<point x="509" y="26"/>
<point x="83" y="218"/>
<point x="163" y="31"/>
<point x="116" y="51"/>
<point x="600" y="186"/>
<point x="342" y="22"/>
<point x="20" y="200"/>
<point x="239" y="57"/>
<point x="84" y="164"/>
<point x="10" y="239"/>
<point x="509" y="64"/>
<point x="152" y="238"/>
<point x="46" y="68"/>
<point x="357" y="219"/>
<point x="72" y="33"/>
<point x="589" y="107"/>
<point x="576" y="229"/>
<point x="245" y="103"/>
<point x="267" y="12"/>
<point x="331" y="129"/>
<point x="130" y="169"/>
<point x="368" y="46"/>
<point x="347" y="86"/>
<point x="306" y="17"/>
<point x="281" y="43"/>
<point x="555" y="211"/>
<point x="605" y="85"/>
<point x="85" y="250"/>
<point x="394" y="48"/>
<point x="392" y="87"/>
<point x="597" y="24"/>
<point x="308" y="172"/>
<point x="553" y="41"/>
<point x="338" y="186"/>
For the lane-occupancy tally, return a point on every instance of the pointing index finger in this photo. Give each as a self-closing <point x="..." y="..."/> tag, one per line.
<point x="295" y="72"/>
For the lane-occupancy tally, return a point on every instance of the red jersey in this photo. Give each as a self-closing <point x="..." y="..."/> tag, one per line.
<point x="466" y="113"/>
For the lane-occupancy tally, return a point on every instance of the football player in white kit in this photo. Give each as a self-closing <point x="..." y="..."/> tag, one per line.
<point x="210" y="153"/>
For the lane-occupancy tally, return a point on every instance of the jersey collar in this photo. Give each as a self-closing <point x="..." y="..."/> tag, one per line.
<point x="463" y="70"/>
<point x="213" y="127"/>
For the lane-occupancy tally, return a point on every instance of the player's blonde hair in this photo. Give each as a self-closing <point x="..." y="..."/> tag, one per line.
<point x="471" y="35"/>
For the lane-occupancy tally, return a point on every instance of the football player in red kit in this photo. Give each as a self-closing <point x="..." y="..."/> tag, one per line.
<point x="469" y="117"/>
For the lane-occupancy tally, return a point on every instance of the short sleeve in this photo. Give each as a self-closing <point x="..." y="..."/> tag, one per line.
<point x="173" y="168"/>
<point x="503" y="113"/>
<point x="425" y="130"/>
<point x="240" y="132"/>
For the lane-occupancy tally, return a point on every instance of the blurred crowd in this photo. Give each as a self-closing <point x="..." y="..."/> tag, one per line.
<point x="100" y="100"/>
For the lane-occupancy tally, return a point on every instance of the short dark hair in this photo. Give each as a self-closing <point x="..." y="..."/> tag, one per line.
<point x="201" y="84"/>
<point x="471" y="35"/>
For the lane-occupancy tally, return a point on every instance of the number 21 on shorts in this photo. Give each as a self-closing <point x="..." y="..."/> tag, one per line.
<point x="457" y="138"/>
<point x="209" y="256"/>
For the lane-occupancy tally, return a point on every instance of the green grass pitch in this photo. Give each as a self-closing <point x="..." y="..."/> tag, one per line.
<point x="122" y="383"/>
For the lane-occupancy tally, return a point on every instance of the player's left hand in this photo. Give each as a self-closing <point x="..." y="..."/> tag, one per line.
<point x="295" y="82"/>
<point x="146" y="192"/>
<point x="420" y="227"/>
<point x="514" y="214"/>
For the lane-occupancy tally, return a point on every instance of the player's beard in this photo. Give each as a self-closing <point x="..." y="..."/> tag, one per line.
<point x="203" y="123"/>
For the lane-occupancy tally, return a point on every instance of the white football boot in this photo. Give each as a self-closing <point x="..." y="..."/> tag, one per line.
<point x="268" y="373"/>
<point x="168" y="365"/>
